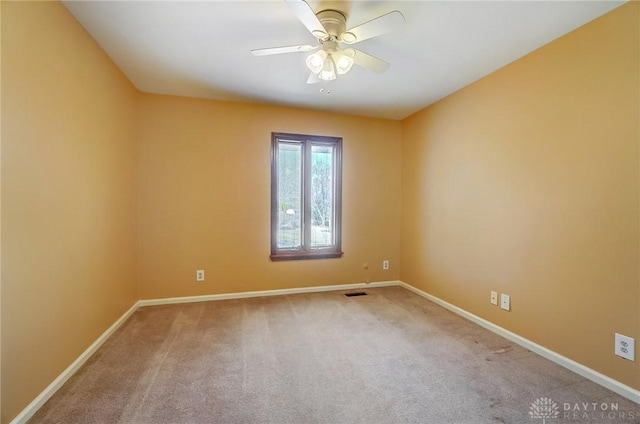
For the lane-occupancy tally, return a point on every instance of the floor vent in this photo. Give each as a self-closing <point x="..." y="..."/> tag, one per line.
<point x="355" y="294"/>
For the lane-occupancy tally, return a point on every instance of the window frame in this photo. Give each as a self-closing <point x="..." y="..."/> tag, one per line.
<point x="306" y="251"/>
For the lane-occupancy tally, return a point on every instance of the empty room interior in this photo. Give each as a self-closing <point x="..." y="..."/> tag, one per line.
<point x="488" y="213"/>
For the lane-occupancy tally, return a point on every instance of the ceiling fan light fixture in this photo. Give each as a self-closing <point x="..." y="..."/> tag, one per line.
<point x="315" y="61"/>
<point x="344" y="60"/>
<point x="328" y="72"/>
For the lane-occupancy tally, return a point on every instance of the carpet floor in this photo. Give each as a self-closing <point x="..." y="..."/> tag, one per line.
<point x="388" y="357"/>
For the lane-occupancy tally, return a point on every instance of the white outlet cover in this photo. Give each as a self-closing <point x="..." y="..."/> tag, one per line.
<point x="200" y="275"/>
<point x="505" y="302"/>
<point x="494" y="298"/>
<point x="625" y="347"/>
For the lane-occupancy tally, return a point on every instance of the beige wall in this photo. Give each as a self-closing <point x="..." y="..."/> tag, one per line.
<point x="527" y="182"/>
<point x="0" y="212"/>
<point x="205" y="197"/>
<point x="68" y="188"/>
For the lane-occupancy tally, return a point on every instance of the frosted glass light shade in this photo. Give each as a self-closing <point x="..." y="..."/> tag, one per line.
<point x="315" y="61"/>
<point x="328" y="71"/>
<point x="343" y="60"/>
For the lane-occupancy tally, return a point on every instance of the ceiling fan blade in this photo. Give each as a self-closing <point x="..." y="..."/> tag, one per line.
<point x="307" y="16"/>
<point x="313" y="78"/>
<point x="279" y="50"/>
<point x="370" y="62"/>
<point x="378" y="26"/>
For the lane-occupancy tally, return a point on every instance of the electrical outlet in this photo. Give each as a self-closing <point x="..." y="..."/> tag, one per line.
<point x="625" y="347"/>
<point x="505" y="302"/>
<point x="385" y="265"/>
<point x="200" y="275"/>
<point x="494" y="298"/>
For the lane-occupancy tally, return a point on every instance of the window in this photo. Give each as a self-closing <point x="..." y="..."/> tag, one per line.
<point x="306" y="196"/>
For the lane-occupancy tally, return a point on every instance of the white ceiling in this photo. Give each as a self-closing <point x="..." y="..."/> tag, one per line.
<point x="202" y="48"/>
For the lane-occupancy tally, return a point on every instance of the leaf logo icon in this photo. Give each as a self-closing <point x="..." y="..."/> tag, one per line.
<point x="544" y="408"/>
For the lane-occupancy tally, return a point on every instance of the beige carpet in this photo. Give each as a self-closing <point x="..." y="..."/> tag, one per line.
<point x="388" y="357"/>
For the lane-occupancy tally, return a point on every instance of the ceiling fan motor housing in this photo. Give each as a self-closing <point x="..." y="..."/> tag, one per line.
<point x="333" y="21"/>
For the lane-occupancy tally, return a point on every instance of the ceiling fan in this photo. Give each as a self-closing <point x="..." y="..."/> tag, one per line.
<point x="330" y="28"/>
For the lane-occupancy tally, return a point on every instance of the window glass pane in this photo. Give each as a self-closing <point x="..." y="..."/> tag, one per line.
<point x="322" y="196"/>
<point x="289" y="196"/>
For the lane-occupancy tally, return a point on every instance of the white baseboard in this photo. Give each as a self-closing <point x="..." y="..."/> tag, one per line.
<point x="588" y="373"/>
<point x="44" y="396"/>
<point x="210" y="297"/>
<point x="601" y="379"/>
